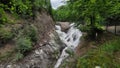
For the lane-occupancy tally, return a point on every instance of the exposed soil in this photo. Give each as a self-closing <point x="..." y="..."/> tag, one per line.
<point x="6" y="48"/>
<point x="44" y="24"/>
<point x="82" y="48"/>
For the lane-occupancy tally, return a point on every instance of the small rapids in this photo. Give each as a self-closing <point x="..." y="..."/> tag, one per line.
<point x="71" y="39"/>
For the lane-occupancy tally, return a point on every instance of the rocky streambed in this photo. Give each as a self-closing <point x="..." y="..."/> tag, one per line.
<point x="71" y="38"/>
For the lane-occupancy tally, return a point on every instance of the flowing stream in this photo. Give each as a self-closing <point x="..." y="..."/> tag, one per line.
<point x="71" y="39"/>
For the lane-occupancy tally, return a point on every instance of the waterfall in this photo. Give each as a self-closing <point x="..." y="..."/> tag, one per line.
<point x="71" y="39"/>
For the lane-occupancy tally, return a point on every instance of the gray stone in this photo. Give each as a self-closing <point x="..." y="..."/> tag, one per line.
<point x="64" y="26"/>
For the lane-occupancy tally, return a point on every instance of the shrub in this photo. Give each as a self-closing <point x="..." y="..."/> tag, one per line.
<point x="23" y="45"/>
<point x="3" y="17"/>
<point x="18" y="56"/>
<point x="5" y="34"/>
<point x="40" y="4"/>
<point x="21" y="7"/>
<point x="6" y="55"/>
<point x="31" y="32"/>
<point x="24" y="8"/>
<point x="84" y="28"/>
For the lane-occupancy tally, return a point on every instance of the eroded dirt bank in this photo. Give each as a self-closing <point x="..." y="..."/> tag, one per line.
<point x="46" y="50"/>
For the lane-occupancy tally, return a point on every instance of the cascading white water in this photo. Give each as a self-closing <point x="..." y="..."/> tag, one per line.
<point x="71" y="39"/>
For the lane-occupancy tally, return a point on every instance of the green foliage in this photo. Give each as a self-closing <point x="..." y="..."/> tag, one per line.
<point x="5" y="34"/>
<point x="18" y="56"/>
<point x="21" y="7"/>
<point x="40" y="3"/>
<point x="25" y="39"/>
<point x="102" y="57"/>
<point x="84" y="28"/>
<point x="70" y="52"/>
<point x="31" y="32"/>
<point x="26" y="36"/>
<point x="112" y="47"/>
<point x="102" y="60"/>
<point x="24" y="8"/>
<point x="23" y="45"/>
<point x="6" y="55"/>
<point x="3" y="18"/>
<point x="65" y="13"/>
<point x="89" y="12"/>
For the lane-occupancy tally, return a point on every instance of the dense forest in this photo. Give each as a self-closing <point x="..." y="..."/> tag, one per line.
<point x="94" y="13"/>
<point x="25" y="26"/>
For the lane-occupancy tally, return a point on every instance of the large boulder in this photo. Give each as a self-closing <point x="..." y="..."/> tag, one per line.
<point x="64" y="26"/>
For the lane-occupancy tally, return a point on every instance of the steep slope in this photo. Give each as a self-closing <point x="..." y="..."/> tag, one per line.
<point x="46" y="49"/>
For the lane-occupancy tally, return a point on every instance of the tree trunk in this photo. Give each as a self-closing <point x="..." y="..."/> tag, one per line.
<point x="93" y="32"/>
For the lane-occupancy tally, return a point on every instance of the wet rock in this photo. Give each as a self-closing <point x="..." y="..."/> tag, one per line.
<point x="71" y="40"/>
<point x="64" y="26"/>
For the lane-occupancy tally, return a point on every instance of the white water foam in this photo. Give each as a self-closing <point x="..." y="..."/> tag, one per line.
<point x="71" y="39"/>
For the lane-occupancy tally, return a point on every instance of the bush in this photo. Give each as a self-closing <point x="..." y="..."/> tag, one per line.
<point x="5" y="34"/>
<point x="3" y="17"/>
<point x="6" y="55"/>
<point x="20" y="7"/>
<point x="24" y="8"/>
<point x="31" y="32"/>
<point x="84" y="28"/>
<point x="23" y="45"/>
<point x="18" y="56"/>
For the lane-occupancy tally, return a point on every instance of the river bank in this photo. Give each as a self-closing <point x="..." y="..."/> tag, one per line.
<point x="91" y="48"/>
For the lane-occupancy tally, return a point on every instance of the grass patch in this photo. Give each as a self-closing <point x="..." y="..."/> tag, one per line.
<point x="6" y="56"/>
<point x="23" y="45"/>
<point x="103" y="56"/>
<point x="5" y="34"/>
